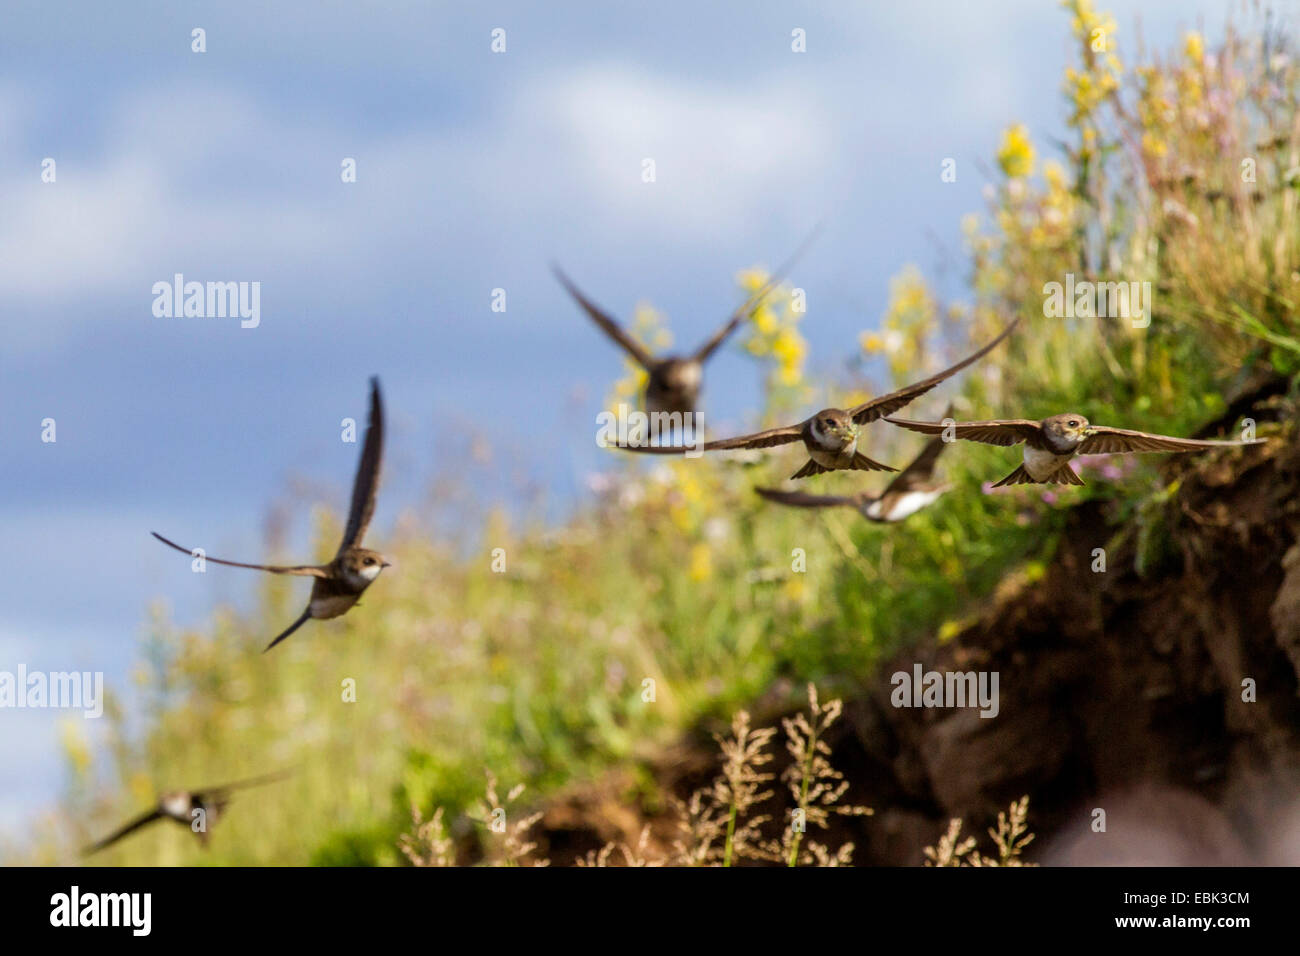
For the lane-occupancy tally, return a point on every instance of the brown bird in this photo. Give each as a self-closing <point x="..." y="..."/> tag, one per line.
<point x="831" y="436"/>
<point x="1052" y="443"/>
<point x="196" y="809"/>
<point x="674" y="380"/>
<point x="339" y="584"/>
<point x="912" y="489"/>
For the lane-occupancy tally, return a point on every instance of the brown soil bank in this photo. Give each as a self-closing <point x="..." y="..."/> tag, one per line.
<point x="1120" y="691"/>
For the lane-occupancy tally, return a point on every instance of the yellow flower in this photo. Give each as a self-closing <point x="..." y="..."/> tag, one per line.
<point x="751" y="280"/>
<point x="1016" y="155"/>
<point x="1153" y="146"/>
<point x="765" y="319"/>
<point x="1054" y="173"/>
<point x="76" y="747"/>
<point x="872" y="342"/>
<point x="701" y="564"/>
<point x="788" y="347"/>
<point x="688" y="484"/>
<point x="950" y="629"/>
<point x="1194" y="46"/>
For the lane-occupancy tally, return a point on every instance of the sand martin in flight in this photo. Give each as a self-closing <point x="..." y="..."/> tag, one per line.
<point x="340" y="583"/>
<point x="674" y="380"/>
<point x="181" y="806"/>
<point x="1053" y="442"/>
<point x="831" y="436"/>
<point x="912" y="489"/>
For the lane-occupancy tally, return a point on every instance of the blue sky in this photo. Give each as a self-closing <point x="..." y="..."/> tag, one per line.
<point x="475" y="170"/>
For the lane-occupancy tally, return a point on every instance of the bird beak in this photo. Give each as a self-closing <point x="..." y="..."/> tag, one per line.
<point x="385" y="564"/>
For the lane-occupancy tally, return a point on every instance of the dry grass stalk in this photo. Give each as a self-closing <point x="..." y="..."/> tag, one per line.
<point x="1010" y="837"/>
<point x="428" y="843"/>
<point x="514" y="846"/>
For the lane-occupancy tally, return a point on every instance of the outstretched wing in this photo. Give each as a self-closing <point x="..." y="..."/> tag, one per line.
<point x="753" y="302"/>
<point x="888" y="404"/>
<point x="800" y="499"/>
<point x="767" y="439"/>
<point x="1001" y="432"/>
<point x="1121" y="441"/>
<point x="303" y="569"/>
<point x="206" y="794"/>
<point x="366" y="484"/>
<point x="603" y="319"/>
<point x="137" y="823"/>
<point x="920" y="471"/>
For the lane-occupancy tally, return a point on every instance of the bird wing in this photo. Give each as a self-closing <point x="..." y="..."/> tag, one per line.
<point x="366" y="484"/>
<point x="603" y="319"/>
<point x="1105" y="440"/>
<point x="800" y="499"/>
<point x="302" y="569"/>
<point x="888" y="404"/>
<point x="1000" y="432"/>
<point x="137" y="823"/>
<point x="766" y="439"/>
<point x="207" y="794"/>
<point x="752" y="303"/>
<point x="921" y="469"/>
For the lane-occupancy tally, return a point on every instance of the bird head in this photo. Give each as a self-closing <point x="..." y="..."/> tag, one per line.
<point x="177" y="804"/>
<point x="1067" y="430"/>
<point x="682" y="374"/>
<point x="834" y="427"/>
<point x="363" y="565"/>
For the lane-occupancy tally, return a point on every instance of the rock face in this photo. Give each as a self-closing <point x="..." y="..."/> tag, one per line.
<point x="1158" y="696"/>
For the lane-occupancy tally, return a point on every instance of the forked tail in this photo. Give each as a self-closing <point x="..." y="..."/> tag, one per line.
<point x="306" y="616"/>
<point x="1065" y="475"/>
<point x="862" y="463"/>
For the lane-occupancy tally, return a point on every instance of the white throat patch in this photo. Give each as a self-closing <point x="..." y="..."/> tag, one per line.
<point x="363" y="575"/>
<point x="176" y="805"/>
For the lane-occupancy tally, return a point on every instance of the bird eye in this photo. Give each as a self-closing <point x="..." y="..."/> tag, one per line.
<point x="370" y="560"/>
<point x="1073" y="423"/>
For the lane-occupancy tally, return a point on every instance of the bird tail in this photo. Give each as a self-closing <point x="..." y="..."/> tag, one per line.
<point x="1065" y="475"/>
<point x="811" y="468"/>
<point x="1017" y="477"/>
<point x="306" y="616"/>
<point x="862" y="463"/>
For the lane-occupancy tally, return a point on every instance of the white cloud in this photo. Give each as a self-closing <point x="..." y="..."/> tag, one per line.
<point x="723" y="156"/>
